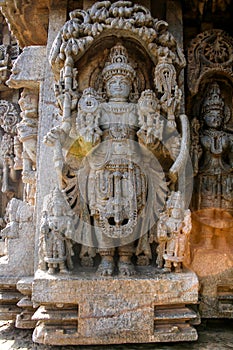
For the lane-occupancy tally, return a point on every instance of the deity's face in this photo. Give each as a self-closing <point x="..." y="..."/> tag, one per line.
<point x="118" y="86"/>
<point x="176" y="213"/>
<point x="213" y="119"/>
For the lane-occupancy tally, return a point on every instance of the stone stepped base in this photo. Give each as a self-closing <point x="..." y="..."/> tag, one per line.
<point x="85" y="309"/>
<point x="9" y="297"/>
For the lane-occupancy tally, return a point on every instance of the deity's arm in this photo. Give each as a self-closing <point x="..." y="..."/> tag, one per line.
<point x="196" y="150"/>
<point x="231" y="150"/>
<point x="180" y="149"/>
<point x="187" y="222"/>
<point x="162" y="228"/>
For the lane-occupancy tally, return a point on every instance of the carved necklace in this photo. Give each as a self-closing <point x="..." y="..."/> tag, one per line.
<point x="216" y="141"/>
<point x="118" y="108"/>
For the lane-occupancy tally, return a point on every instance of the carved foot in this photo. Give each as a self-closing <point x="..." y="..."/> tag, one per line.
<point x="87" y="261"/>
<point x="51" y="270"/>
<point x="106" y="267"/>
<point x="126" y="268"/>
<point x="143" y="260"/>
<point x="178" y="268"/>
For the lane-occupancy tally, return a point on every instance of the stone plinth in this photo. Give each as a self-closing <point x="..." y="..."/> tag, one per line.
<point x="96" y="310"/>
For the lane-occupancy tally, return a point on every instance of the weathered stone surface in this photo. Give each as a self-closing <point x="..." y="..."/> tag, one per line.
<point x="119" y="81"/>
<point x="32" y="20"/>
<point x="18" y="258"/>
<point x="104" y="311"/>
<point x="28" y="69"/>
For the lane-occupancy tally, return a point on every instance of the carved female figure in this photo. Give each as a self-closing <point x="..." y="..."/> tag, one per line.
<point x="215" y="169"/>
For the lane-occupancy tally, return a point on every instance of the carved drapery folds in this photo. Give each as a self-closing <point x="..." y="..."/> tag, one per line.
<point x="118" y="119"/>
<point x="210" y="53"/>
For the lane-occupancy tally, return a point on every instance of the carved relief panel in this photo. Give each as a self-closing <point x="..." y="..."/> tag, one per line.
<point x="121" y="143"/>
<point x="210" y="80"/>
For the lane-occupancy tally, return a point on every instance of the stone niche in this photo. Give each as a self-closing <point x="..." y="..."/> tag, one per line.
<point x="114" y="222"/>
<point x="210" y="67"/>
<point x="107" y="178"/>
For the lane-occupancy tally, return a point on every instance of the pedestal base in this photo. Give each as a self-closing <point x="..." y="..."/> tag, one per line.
<point x="87" y="309"/>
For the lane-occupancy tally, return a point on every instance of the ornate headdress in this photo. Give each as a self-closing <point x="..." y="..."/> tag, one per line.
<point x="213" y="100"/>
<point x="118" y="63"/>
<point x="56" y="200"/>
<point x="175" y="200"/>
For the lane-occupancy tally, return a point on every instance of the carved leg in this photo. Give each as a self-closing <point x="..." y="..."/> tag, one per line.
<point x="51" y="269"/>
<point x="62" y="268"/>
<point x="125" y="265"/>
<point x="106" y="267"/>
<point x="167" y="266"/>
<point x="178" y="268"/>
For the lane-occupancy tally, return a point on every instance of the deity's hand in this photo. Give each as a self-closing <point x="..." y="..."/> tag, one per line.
<point x="56" y="134"/>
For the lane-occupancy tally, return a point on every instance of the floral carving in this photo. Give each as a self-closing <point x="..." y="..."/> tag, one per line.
<point x="210" y="52"/>
<point x="9" y="116"/>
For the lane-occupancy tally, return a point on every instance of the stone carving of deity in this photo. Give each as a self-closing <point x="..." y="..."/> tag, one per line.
<point x="56" y="222"/>
<point x="107" y="155"/>
<point x="215" y="179"/>
<point x="116" y="183"/>
<point x="174" y="227"/>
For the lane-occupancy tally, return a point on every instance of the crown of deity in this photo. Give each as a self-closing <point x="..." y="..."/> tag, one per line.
<point x="175" y="200"/>
<point x="213" y="100"/>
<point x="118" y="64"/>
<point x="57" y="201"/>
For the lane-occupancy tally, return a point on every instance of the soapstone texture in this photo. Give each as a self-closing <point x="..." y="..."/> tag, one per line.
<point x="116" y="155"/>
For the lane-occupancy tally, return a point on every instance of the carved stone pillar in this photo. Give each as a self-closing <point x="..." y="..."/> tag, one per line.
<point x="27" y="74"/>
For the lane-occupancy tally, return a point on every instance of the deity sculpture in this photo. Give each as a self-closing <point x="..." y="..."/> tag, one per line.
<point x="56" y="224"/>
<point x="214" y="151"/>
<point x="174" y="227"/>
<point x="120" y="132"/>
<point x="10" y="150"/>
<point x="27" y="131"/>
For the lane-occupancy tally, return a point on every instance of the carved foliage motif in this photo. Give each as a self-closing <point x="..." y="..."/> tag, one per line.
<point x="9" y="116"/>
<point x="78" y="33"/>
<point x="209" y="52"/>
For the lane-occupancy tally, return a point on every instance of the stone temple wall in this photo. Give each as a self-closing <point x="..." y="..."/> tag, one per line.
<point x="116" y="179"/>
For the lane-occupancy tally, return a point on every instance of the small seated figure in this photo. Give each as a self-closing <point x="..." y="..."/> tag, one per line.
<point x="56" y="223"/>
<point x="174" y="227"/>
